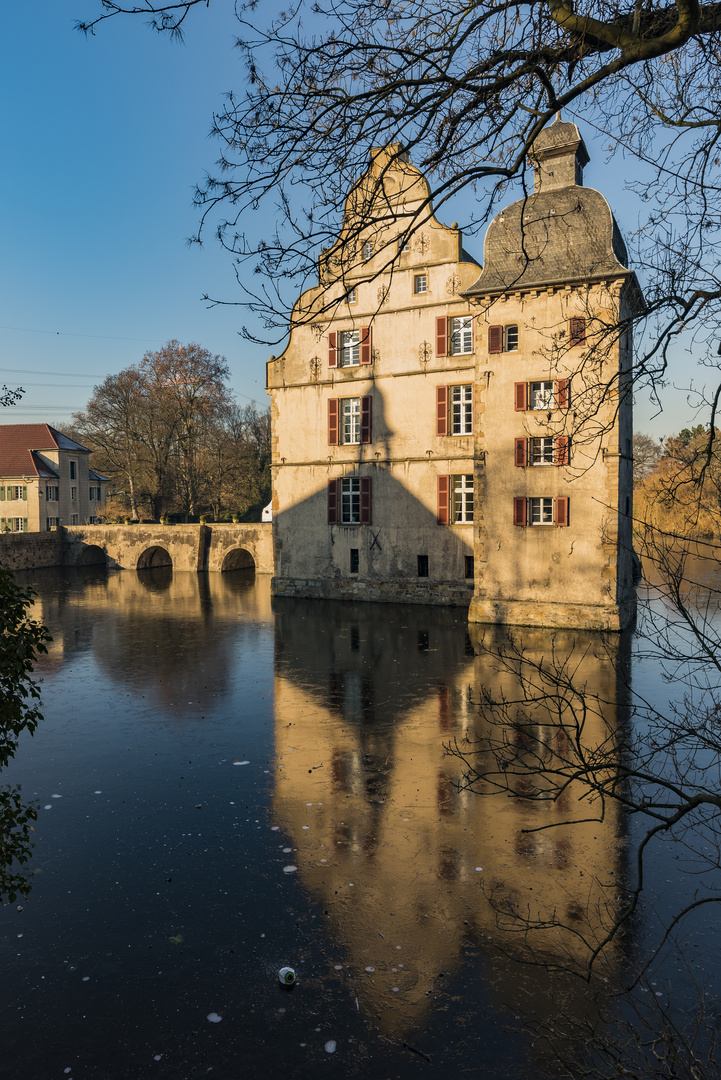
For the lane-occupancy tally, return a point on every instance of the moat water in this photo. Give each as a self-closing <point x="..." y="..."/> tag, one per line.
<point x="227" y="786"/>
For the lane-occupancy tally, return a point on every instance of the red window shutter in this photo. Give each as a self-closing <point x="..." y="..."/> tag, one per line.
<point x="519" y="511"/>
<point x="333" y="421"/>
<point x="331" y="351"/>
<point x="366" y="416"/>
<point x="366" y="354"/>
<point x="444" y="487"/>
<point x="441" y="336"/>
<point x="441" y="410"/>
<point x="495" y="339"/>
<point x="563" y="394"/>
<point x="520" y="390"/>
<point x="332" y="502"/>
<point x="521" y="452"/>
<point x="577" y="330"/>
<point x="562" y="450"/>
<point x="365" y="500"/>
<point x="560" y="511"/>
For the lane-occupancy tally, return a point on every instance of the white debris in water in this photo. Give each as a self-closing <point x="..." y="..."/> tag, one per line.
<point x="68" y="1070"/>
<point x="287" y="850"/>
<point x="330" y="1046"/>
<point x="289" y="869"/>
<point x="274" y="828"/>
<point x="370" y="969"/>
<point x="309" y="804"/>
<point x="214" y="1018"/>
<point x="338" y="967"/>
<point x="86" y="978"/>
<point x="324" y="860"/>
<point x="306" y="826"/>
<point x="48" y="807"/>
<point x="98" y="793"/>
<point x="395" y="989"/>
<point x="57" y="796"/>
<point x="241" y="763"/>
<point x="157" y="1057"/>
<point x="479" y="869"/>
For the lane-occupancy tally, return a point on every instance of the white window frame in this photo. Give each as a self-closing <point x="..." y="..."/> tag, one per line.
<point x="420" y="284"/>
<point x="367" y="250"/>
<point x="17" y="492"/>
<point x="540" y="511"/>
<point x="73" y="519"/>
<point x="462" y="493"/>
<point x="73" y="493"/>
<point x="404" y="244"/>
<point x="460" y="335"/>
<point x="50" y="523"/>
<point x="460" y="407"/>
<point x="349" y="352"/>
<point x="350" y="497"/>
<point x="541" y="396"/>
<point x="352" y="296"/>
<point x="510" y="338"/>
<point x="542" y="450"/>
<point x="49" y="490"/>
<point x="18" y="524"/>
<point x="350" y="421"/>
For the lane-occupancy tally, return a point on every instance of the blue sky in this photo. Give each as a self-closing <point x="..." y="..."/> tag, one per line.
<point x="103" y="141"/>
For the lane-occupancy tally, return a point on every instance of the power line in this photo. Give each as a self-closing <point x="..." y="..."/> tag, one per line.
<point x="65" y="333"/>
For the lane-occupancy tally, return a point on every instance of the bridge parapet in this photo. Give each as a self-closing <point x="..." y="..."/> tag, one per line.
<point x="186" y="547"/>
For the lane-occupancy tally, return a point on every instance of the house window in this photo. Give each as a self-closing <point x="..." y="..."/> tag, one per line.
<point x="540" y="395"/>
<point x="349" y="348"/>
<point x="461" y="335"/>
<point x="20" y="524"/>
<point x="419" y="284"/>
<point x="19" y="492"/>
<point x="352" y="296"/>
<point x="461" y="402"/>
<point x="73" y="494"/>
<point x="422" y="566"/>
<point x="73" y="519"/>
<point x="543" y="451"/>
<point x="367" y="250"/>
<point x="577" y="331"/>
<point x="350" y="420"/>
<point x="503" y="338"/>
<point x="51" y="523"/>
<point x="469" y="567"/>
<point x="540" y="511"/>
<point x="350" y="500"/>
<point x="354" y="560"/>
<point x="73" y="470"/>
<point x="404" y="245"/>
<point x="462" y="487"/>
<point x="52" y="494"/>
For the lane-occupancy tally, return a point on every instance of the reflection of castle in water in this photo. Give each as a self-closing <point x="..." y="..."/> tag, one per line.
<point x="136" y="644"/>
<point x="406" y="863"/>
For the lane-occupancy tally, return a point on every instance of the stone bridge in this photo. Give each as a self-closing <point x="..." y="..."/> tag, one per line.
<point x="215" y="548"/>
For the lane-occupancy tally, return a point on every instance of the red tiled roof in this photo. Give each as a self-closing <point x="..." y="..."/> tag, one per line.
<point x="18" y="441"/>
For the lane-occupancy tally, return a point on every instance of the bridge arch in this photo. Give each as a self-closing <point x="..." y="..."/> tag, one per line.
<point x="92" y="555"/>
<point x="238" y="559"/>
<point x="154" y="557"/>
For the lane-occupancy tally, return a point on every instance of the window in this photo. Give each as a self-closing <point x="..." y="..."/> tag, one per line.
<point x="348" y="348"/>
<point x="419" y="284"/>
<point x="422" y="566"/>
<point x="461" y="410"/>
<point x="349" y="420"/>
<point x="503" y="338"/>
<point x="354" y="560"/>
<point x="73" y="470"/>
<point x="367" y="250"/>
<point x="352" y="296"/>
<point x="544" y="511"/>
<point x="470" y="572"/>
<point x="51" y="523"/>
<point x="543" y="395"/>
<point x="543" y="451"/>
<point x="73" y="519"/>
<point x="404" y="244"/>
<point x="349" y="501"/>
<point x="577" y="331"/>
<point x="462" y="487"/>
<point x="20" y="524"/>
<point x="73" y="494"/>
<point x="52" y="494"/>
<point x="461" y="335"/>
<point x="19" y="492"/>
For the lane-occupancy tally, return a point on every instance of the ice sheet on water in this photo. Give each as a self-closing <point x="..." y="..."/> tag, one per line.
<point x="289" y="869"/>
<point x="241" y="763"/>
<point x="214" y="1018"/>
<point x="330" y="1046"/>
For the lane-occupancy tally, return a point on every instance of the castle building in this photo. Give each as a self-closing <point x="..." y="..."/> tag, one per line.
<point x="46" y="481"/>
<point x="458" y="434"/>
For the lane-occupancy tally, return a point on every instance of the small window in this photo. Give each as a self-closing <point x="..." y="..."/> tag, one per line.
<point x="540" y="511"/>
<point x="350" y="420"/>
<point x="462" y="488"/>
<point x="419" y="284"/>
<point x="461" y="409"/>
<point x="350" y="500"/>
<point x="18" y="491"/>
<point x="354" y="560"/>
<point x="510" y="338"/>
<point x="73" y="469"/>
<point x="461" y="335"/>
<point x="51" y="523"/>
<point x="543" y="451"/>
<point x="577" y="331"/>
<point x="367" y="250"/>
<point x="404" y="244"/>
<point x="349" y="348"/>
<point x="469" y="567"/>
<point x="19" y="525"/>
<point x="73" y="494"/>
<point x="52" y="493"/>
<point x="73" y="519"/>
<point x="422" y="566"/>
<point x="540" y="395"/>
<point x="352" y="296"/>
<point x="503" y="338"/>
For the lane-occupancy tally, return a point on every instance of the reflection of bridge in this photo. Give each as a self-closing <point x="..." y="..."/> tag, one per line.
<point x="184" y="547"/>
